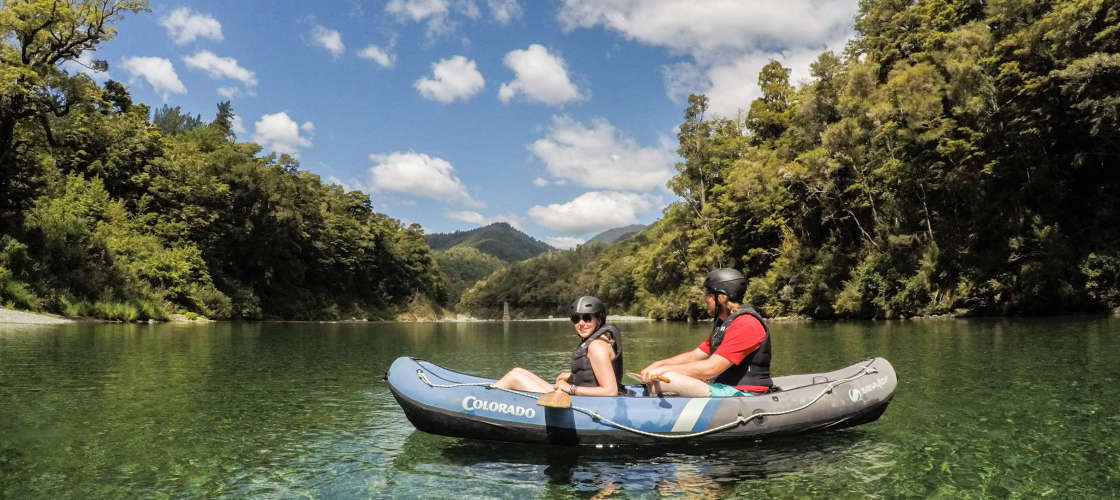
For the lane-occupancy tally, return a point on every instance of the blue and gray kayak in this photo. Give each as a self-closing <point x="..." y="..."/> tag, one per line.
<point x="450" y="403"/>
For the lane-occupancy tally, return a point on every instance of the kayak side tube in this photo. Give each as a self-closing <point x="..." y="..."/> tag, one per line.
<point x="450" y="403"/>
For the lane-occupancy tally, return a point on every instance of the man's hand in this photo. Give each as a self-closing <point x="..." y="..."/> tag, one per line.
<point x="651" y="372"/>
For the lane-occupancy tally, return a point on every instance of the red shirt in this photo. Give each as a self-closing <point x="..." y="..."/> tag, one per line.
<point x="743" y="337"/>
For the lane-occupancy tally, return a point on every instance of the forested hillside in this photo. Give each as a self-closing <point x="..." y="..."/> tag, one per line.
<point x="104" y="213"/>
<point x="959" y="157"/>
<point x="498" y="239"/>
<point x="616" y="234"/>
<point x="464" y="266"/>
<point x="469" y="256"/>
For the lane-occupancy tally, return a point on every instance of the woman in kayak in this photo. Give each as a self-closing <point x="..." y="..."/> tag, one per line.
<point x="596" y="363"/>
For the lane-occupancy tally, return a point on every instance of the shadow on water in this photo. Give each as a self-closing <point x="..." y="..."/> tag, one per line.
<point x="671" y="469"/>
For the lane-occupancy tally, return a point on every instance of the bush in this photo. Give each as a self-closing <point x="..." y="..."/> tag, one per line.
<point x="16" y="292"/>
<point x="116" y="311"/>
<point x="152" y="309"/>
<point x="1102" y="278"/>
<point x="75" y="308"/>
<point x="211" y="302"/>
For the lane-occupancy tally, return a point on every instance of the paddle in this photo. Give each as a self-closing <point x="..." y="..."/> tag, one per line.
<point x="561" y="399"/>
<point x="659" y="378"/>
<point x="555" y="399"/>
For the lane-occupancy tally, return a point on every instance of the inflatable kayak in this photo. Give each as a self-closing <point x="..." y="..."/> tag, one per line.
<point x="442" y="401"/>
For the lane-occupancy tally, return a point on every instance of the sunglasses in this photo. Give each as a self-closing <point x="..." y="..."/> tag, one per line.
<point x="585" y="317"/>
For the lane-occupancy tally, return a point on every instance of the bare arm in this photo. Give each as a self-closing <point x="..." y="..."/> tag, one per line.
<point x="680" y="359"/>
<point x="702" y="369"/>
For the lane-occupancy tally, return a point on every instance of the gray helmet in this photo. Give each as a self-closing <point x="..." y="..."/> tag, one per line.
<point x="588" y="305"/>
<point x="727" y="281"/>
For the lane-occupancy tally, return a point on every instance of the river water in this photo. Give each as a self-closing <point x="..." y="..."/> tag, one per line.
<point x="985" y="408"/>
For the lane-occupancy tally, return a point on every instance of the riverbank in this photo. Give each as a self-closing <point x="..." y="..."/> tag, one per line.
<point x="10" y="316"/>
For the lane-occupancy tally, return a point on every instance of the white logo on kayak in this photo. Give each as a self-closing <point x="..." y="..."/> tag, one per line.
<point x="856" y="393"/>
<point x="473" y="403"/>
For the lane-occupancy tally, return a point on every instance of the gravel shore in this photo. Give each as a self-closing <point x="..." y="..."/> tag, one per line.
<point x="9" y="316"/>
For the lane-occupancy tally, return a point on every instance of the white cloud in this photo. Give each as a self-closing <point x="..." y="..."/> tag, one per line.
<point x="84" y="64"/>
<point x="440" y="15"/>
<point x="453" y="78"/>
<point x="378" y="55"/>
<point x="158" y="72"/>
<point x="417" y="10"/>
<point x="473" y="217"/>
<point x="599" y="156"/>
<point x="328" y="39"/>
<point x="469" y="9"/>
<point x="278" y="132"/>
<point x="504" y="11"/>
<point x="709" y="28"/>
<point x="540" y="182"/>
<point x="237" y="124"/>
<point x="435" y="12"/>
<point x="307" y="127"/>
<point x="592" y="211"/>
<point x="353" y="185"/>
<point x="229" y="92"/>
<point x="417" y="174"/>
<point x="540" y="75"/>
<point x="184" y="25"/>
<point x="221" y="67"/>
<point x="564" y="242"/>
<point x="728" y="96"/>
<point x="728" y="40"/>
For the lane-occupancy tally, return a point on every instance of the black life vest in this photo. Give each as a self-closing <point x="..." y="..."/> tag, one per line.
<point x="582" y="373"/>
<point x="753" y="369"/>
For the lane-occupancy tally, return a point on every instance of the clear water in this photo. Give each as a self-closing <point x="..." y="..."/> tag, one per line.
<point x="985" y="408"/>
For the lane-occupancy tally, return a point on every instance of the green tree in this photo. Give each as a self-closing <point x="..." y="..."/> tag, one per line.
<point x="39" y="35"/>
<point x="224" y="119"/>
<point x="173" y="121"/>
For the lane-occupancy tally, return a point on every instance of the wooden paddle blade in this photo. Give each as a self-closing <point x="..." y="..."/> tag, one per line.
<point x="555" y="399"/>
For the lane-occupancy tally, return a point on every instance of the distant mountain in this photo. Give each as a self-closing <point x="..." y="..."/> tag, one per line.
<point x="616" y="234"/>
<point x="499" y="239"/>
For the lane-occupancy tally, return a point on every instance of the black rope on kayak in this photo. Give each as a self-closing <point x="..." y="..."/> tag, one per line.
<point x="741" y="420"/>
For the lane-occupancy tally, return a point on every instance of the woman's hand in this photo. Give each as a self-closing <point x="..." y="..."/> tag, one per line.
<point x="562" y="382"/>
<point x="563" y="385"/>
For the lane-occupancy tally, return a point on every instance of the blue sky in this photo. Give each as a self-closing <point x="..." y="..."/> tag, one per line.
<point x="558" y="117"/>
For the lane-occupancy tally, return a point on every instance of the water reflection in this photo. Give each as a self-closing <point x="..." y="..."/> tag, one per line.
<point x="986" y="407"/>
<point x="676" y="469"/>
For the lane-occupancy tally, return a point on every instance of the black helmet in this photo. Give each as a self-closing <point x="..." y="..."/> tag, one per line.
<point x="727" y="281"/>
<point x="588" y="305"/>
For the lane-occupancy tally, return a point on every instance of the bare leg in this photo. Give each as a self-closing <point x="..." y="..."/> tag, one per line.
<point x="681" y="385"/>
<point x="520" y="379"/>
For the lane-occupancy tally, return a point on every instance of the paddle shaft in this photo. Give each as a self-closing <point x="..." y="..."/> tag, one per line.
<point x="659" y="378"/>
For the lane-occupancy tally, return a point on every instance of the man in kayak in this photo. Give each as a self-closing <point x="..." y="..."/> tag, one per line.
<point x="735" y="358"/>
<point x="596" y="363"/>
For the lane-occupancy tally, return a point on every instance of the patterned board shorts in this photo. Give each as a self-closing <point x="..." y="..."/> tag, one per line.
<point x="726" y="391"/>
